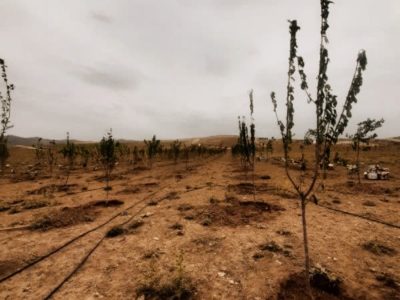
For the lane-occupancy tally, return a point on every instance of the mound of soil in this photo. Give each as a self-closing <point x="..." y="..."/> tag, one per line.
<point x="52" y="188"/>
<point x="102" y="178"/>
<point x="172" y="195"/>
<point x="19" y="205"/>
<point x="233" y="214"/>
<point x="138" y="188"/>
<point x="184" y="207"/>
<point x="64" y="217"/>
<point x="245" y="188"/>
<point x="364" y="188"/>
<point x="138" y="169"/>
<point x="7" y="266"/>
<point x="129" y="190"/>
<point x="378" y="249"/>
<point x="294" y="288"/>
<point x="34" y="204"/>
<point x="262" y="206"/>
<point x="105" y="203"/>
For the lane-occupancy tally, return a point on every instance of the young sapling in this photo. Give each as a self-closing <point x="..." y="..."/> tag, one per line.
<point x="108" y="157"/>
<point x="328" y="126"/>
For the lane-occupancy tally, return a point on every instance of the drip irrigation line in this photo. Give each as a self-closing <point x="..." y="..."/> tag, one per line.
<point x="360" y="216"/>
<point x="54" y="251"/>
<point x="81" y="263"/>
<point x="91" y="251"/>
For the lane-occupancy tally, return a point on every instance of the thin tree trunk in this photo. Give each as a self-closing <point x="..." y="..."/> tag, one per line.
<point x="358" y="162"/>
<point x="254" y="184"/>
<point x="107" y="184"/>
<point x="68" y="171"/>
<point x="305" y="243"/>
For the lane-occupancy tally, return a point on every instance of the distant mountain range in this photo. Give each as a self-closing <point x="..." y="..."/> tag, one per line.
<point x="29" y="141"/>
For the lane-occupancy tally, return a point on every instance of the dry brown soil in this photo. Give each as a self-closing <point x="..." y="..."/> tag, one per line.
<point x="201" y="224"/>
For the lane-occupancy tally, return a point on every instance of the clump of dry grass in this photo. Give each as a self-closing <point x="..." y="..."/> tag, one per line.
<point x="179" y="286"/>
<point x="185" y="207"/>
<point x="136" y="224"/>
<point x="176" y="288"/>
<point x="172" y="195"/>
<point x="369" y="203"/>
<point x="377" y="248"/>
<point x="388" y="280"/>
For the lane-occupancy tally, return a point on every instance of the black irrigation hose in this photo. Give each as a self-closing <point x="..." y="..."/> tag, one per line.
<point x="360" y="216"/>
<point x="86" y="257"/>
<point x="81" y="263"/>
<point x="34" y="262"/>
<point x="26" y="227"/>
<point x="65" y="195"/>
<point x="74" y="239"/>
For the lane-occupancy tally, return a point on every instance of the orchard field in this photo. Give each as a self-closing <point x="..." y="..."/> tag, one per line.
<point x="198" y="228"/>
<point x="312" y="214"/>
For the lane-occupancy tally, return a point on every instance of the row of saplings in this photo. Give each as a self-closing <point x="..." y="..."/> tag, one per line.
<point x="108" y="153"/>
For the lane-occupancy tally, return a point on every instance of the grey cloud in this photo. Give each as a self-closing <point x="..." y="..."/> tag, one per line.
<point x="217" y="65"/>
<point x="107" y="79"/>
<point x="101" y="17"/>
<point x="182" y="68"/>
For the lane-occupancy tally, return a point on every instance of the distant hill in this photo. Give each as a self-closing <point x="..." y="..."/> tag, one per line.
<point x="224" y="140"/>
<point x="29" y="141"/>
<point x="16" y="140"/>
<point x="217" y="140"/>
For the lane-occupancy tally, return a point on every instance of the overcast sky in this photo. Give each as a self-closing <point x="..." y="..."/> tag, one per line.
<point x="183" y="68"/>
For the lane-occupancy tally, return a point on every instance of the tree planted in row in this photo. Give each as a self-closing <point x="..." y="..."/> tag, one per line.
<point x="5" y="99"/>
<point x="108" y="157"/>
<point x="39" y="152"/>
<point x="270" y="147"/>
<point x="152" y="148"/>
<point x="329" y="124"/>
<point x="69" y="152"/>
<point x="246" y="147"/>
<point x="364" y="134"/>
<point x="85" y="154"/>
<point x="176" y="150"/>
<point x="51" y="155"/>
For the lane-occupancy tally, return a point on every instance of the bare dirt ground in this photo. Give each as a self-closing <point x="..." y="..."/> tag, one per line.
<point x="201" y="227"/>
